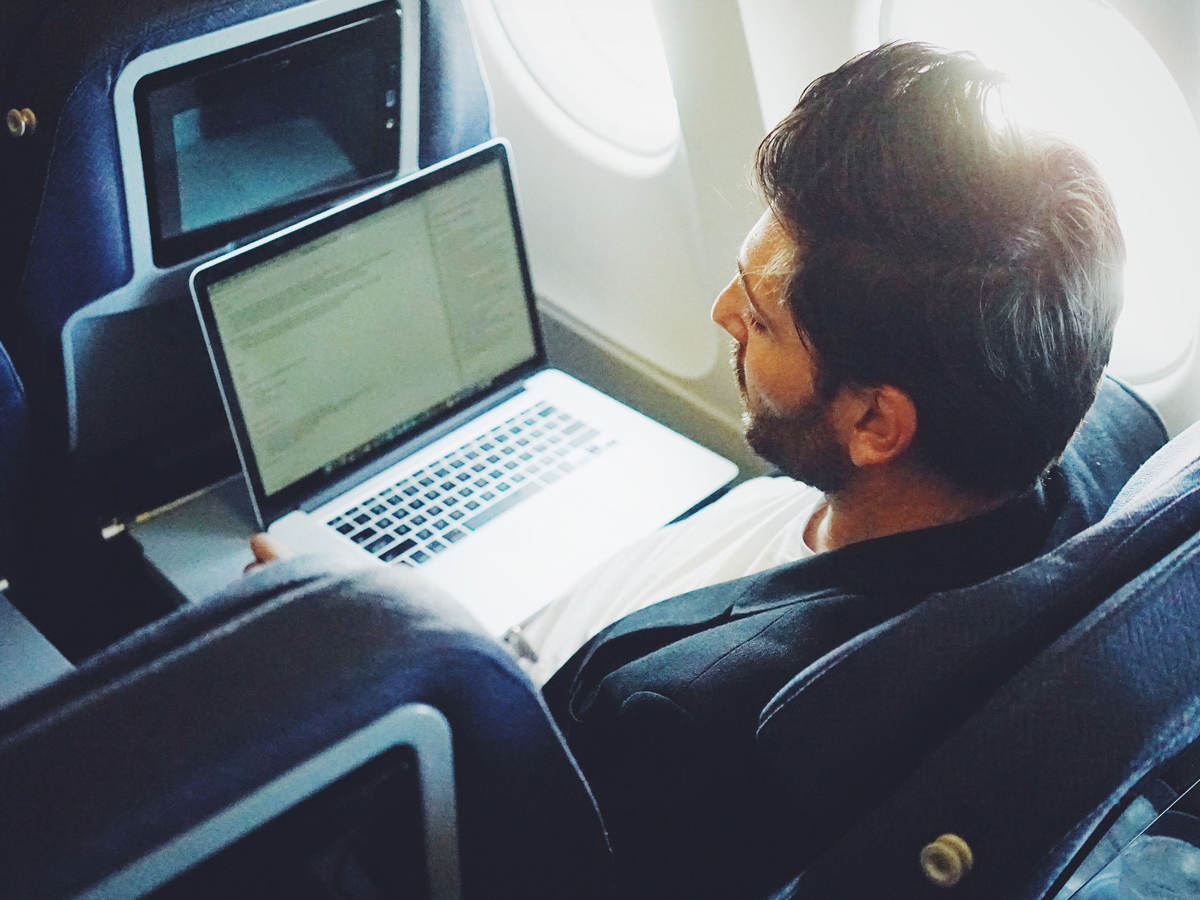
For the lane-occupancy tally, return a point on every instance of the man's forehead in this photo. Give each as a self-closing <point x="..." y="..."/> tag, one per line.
<point x="768" y="250"/>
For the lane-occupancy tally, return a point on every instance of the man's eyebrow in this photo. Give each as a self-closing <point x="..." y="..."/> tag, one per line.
<point x="746" y="289"/>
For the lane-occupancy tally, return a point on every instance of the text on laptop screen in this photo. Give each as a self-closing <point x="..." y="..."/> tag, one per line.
<point x="385" y="320"/>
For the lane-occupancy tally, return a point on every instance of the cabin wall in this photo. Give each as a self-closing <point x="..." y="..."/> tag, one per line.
<point x="628" y="251"/>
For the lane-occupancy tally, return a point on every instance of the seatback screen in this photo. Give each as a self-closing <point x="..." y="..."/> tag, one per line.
<point x="360" y="838"/>
<point x="241" y="140"/>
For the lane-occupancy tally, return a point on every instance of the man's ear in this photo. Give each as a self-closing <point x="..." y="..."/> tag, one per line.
<point x="878" y="423"/>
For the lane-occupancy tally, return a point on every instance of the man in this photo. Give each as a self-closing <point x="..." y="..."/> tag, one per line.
<point x="919" y="323"/>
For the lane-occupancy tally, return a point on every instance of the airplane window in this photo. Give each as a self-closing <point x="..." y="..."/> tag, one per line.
<point x="1080" y="69"/>
<point x="602" y="63"/>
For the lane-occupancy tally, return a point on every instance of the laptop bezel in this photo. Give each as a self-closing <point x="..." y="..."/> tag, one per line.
<point x="270" y="507"/>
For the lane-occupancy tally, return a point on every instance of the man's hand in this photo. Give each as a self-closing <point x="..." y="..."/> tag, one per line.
<point x="266" y="549"/>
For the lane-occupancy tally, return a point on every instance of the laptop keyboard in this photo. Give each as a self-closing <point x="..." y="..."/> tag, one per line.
<point x="437" y="505"/>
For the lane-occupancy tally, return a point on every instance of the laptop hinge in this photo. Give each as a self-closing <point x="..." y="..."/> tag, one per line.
<point x="411" y="446"/>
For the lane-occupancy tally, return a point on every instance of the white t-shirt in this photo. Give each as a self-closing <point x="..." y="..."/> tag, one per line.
<point x="757" y="525"/>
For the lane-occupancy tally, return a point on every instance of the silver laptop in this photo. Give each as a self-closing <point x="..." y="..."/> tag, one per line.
<point x="384" y="375"/>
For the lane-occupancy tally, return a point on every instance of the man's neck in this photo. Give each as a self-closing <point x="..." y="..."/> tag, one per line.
<point x="876" y="507"/>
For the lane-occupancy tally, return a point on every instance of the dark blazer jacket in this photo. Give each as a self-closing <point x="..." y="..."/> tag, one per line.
<point x="661" y="708"/>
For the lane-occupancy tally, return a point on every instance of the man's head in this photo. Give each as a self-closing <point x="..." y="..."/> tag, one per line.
<point x="929" y="284"/>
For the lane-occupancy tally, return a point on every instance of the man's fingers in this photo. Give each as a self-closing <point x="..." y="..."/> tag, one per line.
<point x="266" y="549"/>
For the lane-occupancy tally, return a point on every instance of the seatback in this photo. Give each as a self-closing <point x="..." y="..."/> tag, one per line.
<point x="1013" y="714"/>
<point x="122" y="397"/>
<point x="185" y="718"/>
<point x="124" y="413"/>
<point x="13" y="463"/>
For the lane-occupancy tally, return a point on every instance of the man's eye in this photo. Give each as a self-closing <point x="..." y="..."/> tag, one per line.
<point x="756" y="324"/>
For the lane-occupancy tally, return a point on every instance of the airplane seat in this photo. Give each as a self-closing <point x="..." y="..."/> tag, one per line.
<point x="1028" y="707"/>
<point x="123" y="406"/>
<point x="1119" y="433"/>
<point x="13" y="482"/>
<point x="171" y="726"/>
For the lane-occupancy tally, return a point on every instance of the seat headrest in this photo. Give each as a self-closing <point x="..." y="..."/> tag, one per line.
<point x="1117" y="435"/>
<point x="1167" y="473"/>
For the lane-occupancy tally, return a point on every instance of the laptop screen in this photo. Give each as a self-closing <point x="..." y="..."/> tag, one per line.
<point x="341" y="340"/>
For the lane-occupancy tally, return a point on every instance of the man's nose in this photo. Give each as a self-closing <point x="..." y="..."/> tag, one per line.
<point x="727" y="311"/>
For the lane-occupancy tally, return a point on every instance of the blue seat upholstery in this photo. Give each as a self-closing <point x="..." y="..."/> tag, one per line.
<point x="1119" y="433"/>
<point x="1028" y="707"/>
<point x="13" y="475"/>
<point x="193" y="713"/>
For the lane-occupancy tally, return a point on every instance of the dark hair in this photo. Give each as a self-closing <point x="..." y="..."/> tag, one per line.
<point x="973" y="265"/>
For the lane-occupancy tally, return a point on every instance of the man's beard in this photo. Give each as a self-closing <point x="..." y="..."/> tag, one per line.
<point x="802" y="443"/>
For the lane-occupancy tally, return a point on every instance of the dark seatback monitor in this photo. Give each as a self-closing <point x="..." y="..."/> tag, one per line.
<point x="370" y="818"/>
<point x="239" y="140"/>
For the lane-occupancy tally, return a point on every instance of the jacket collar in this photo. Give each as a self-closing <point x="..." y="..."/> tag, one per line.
<point x="910" y="564"/>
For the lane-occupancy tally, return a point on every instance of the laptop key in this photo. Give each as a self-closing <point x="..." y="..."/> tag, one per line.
<point x="345" y="528"/>
<point x="365" y="535"/>
<point x="580" y="439"/>
<point x="379" y="543"/>
<point x="419" y="556"/>
<point x="478" y="521"/>
<point x="399" y="550"/>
